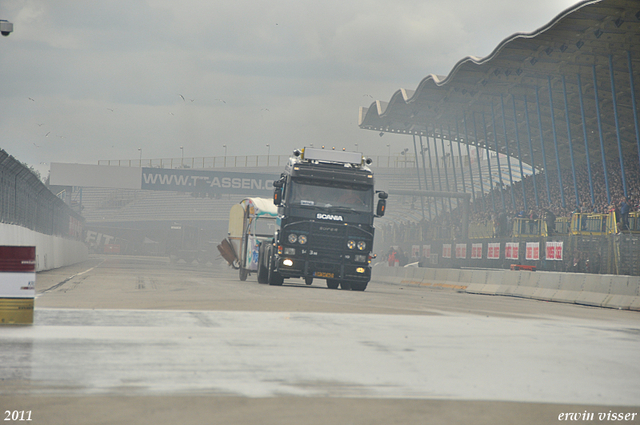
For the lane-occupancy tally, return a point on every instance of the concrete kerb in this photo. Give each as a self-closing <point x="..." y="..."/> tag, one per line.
<point x="548" y="284"/>
<point x="571" y="288"/>
<point x="585" y="289"/>
<point x="622" y="293"/>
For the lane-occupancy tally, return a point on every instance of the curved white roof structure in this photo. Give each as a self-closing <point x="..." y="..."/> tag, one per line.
<point x="540" y="85"/>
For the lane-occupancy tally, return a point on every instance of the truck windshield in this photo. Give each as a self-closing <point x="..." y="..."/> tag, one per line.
<point x="355" y="197"/>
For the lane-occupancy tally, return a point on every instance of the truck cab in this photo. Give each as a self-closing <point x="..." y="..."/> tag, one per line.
<point x="326" y="202"/>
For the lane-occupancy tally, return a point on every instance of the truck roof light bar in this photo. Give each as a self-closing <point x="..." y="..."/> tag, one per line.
<point x="341" y="157"/>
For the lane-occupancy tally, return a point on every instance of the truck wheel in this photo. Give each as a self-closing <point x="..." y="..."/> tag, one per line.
<point x="358" y="286"/>
<point x="345" y="286"/>
<point x="263" y="272"/>
<point x="274" y="278"/>
<point x="332" y="284"/>
<point x="308" y="280"/>
<point x="243" y="274"/>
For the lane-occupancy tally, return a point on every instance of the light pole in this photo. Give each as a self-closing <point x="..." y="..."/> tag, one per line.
<point x="225" y="154"/>
<point x="268" y="153"/>
<point x="356" y="147"/>
<point x="389" y="155"/>
<point x="140" y="150"/>
<point x="182" y="160"/>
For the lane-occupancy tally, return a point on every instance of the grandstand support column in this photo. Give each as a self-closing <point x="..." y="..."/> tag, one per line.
<point x="506" y="147"/>
<point x="475" y="135"/>
<point x="435" y="149"/>
<point x="535" y="185"/>
<point x="488" y="152"/>
<point x="444" y="164"/>
<point x="464" y="186"/>
<point x="544" y="155"/>
<point x="573" y="164"/>
<point x="424" y="170"/>
<point x="555" y="140"/>
<point x="495" y="140"/>
<point x="604" y="159"/>
<point x="453" y="161"/>
<point x="515" y="123"/>
<point x="633" y="102"/>
<point x="466" y="140"/>
<point x="415" y="150"/>
<point x="617" y="121"/>
<point x="586" y="140"/>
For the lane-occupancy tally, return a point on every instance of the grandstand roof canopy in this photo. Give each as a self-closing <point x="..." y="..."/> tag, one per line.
<point x="526" y="86"/>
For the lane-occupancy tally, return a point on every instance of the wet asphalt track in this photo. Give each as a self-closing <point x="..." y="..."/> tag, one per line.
<point x="122" y="327"/>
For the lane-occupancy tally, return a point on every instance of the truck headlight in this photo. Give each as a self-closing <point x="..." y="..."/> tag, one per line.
<point x="292" y="238"/>
<point x="362" y="245"/>
<point x="287" y="262"/>
<point x="302" y="239"/>
<point x="351" y="244"/>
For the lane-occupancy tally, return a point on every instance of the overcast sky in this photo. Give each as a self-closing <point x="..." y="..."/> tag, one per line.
<point x="82" y="81"/>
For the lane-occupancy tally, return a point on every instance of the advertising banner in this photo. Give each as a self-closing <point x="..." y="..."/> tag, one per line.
<point x="511" y="250"/>
<point x="476" y="251"/>
<point x="554" y="251"/>
<point x="493" y="252"/>
<point x="17" y="284"/>
<point x="533" y="251"/>
<point x="208" y="181"/>
<point x="446" y="250"/>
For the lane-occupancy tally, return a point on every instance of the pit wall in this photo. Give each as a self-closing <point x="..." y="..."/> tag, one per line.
<point x="51" y="251"/>
<point x="611" y="291"/>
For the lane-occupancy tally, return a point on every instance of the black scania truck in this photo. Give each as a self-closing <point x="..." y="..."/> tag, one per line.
<point x="325" y="202"/>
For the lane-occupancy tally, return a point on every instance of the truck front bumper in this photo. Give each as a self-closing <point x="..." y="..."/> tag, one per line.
<point x="298" y="267"/>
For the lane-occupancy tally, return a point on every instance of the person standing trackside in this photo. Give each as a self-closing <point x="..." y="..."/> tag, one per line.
<point x="625" y="208"/>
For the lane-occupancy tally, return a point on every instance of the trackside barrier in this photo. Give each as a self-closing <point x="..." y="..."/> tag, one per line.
<point x="17" y="284"/>
<point x="611" y="291"/>
<point x="51" y="251"/>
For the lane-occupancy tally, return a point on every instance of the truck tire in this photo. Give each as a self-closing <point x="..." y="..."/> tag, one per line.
<point x="243" y="274"/>
<point x="308" y="280"/>
<point x="346" y="286"/>
<point x="263" y="272"/>
<point x="333" y="284"/>
<point x="274" y="278"/>
<point x="359" y="286"/>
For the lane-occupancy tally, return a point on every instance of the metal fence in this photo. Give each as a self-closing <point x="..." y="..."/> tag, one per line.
<point x="398" y="161"/>
<point x="25" y="201"/>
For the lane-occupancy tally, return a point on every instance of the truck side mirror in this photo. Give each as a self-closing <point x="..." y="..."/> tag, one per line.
<point x="382" y="204"/>
<point x="277" y="192"/>
<point x="277" y="196"/>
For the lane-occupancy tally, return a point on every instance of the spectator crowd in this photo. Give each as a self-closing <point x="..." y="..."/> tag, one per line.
<point x="488" y="210"/>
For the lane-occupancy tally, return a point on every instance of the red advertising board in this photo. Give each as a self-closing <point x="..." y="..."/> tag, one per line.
<point x="493" y="251"/>
<point x="446" y="250"/>
<point x="17" y="259"/>
<point x="554" y="251"/>
<point x="533" y="251"/>
<point x="476" y="251"/>
<point x="511" y="250"/>
<point x="17" y="284"/>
